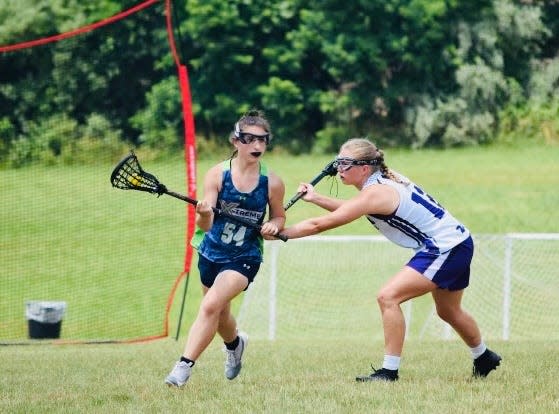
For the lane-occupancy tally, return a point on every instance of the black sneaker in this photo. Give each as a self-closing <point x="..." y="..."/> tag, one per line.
<point x="382" y="374"/>
<point x="485" y="363"/>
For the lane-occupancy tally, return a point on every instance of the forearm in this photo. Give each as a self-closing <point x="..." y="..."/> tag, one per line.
<point x="204" y="221"/>
<point x="344" y="212"/>
<point x="325" y="202"/>
<point x="304" y="228"/>
<point x="311" y="226"/>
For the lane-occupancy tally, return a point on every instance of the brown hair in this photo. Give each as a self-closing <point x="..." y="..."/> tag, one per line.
<point x="364" y="150"/>
<point x="252" y="117"/>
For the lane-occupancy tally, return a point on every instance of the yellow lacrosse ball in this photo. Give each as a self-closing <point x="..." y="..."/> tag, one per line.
<point x="133" y="179"/>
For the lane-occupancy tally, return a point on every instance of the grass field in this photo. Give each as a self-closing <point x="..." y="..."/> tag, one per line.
<point x="280" y="377"/>
<point x="66" y="225"/>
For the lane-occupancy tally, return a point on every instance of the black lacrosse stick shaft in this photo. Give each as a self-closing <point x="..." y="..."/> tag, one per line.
<point x="129" y="175"/>
<point x="326" y="171"/>
<point x="218" y="212"/>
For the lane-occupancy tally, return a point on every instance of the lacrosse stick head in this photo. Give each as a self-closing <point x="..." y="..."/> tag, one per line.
<point x="129" y="175"/>
<point x="331" y="169"/>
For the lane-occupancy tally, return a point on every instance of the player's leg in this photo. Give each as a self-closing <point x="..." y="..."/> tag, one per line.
<point x="235" y="342"/>
<point x="408" y="283"/>
<point x="182" y="370"/>
<point x="215" y="303"/>
<point x="227" y="325"/>
<point x="453" y="276"/>
<point x="404" y="285"/>
<point x="449" y="308"/>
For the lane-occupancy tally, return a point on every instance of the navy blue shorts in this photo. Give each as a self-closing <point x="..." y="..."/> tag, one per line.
<point x="209" y="270"/>
<point x="450" y="270"/>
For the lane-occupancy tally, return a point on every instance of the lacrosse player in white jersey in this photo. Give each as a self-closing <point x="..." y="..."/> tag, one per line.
<point x="411" y="218"/>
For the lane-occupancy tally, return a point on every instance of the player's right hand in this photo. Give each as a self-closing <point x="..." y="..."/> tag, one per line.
<point x="203" y="208"/>
<point x="307" y="190"/>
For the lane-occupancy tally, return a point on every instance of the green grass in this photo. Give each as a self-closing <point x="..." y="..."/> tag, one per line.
<point x="278" y="377"/>
<point x="66" y="230"/>
<point x="114" y="255"/>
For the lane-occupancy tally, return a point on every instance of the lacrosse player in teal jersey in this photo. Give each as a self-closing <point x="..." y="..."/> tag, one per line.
<point x="230" y="253"/>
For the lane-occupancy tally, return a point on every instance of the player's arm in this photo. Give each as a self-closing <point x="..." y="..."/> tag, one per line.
<point x="311" y="196"/>
<point x="276" y="221"/>
<point x="379" y="199"/>
<point x="212" y="184"/>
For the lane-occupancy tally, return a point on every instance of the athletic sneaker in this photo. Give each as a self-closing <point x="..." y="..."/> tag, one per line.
<point x="382" y="374"/>
<point x="179" y="375"/>
<point x="485" y="363"/>
<point x="233" y="363"/>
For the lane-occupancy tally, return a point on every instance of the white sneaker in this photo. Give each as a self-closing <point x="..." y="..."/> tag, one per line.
<point x="179" y="375"/>
<point x="233" y="363"/>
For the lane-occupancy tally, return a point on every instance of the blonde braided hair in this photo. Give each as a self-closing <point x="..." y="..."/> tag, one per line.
<point x="364" y="150"/>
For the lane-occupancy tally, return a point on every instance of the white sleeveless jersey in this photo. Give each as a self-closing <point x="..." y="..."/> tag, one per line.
<point x="419" y="222"/>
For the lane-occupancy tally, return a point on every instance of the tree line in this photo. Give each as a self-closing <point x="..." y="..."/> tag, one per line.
<point x="412" y="73"/>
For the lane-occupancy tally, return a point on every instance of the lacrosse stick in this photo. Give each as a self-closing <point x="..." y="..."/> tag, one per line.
<point x="330" y="170"/>
<point x="129" y="175"/>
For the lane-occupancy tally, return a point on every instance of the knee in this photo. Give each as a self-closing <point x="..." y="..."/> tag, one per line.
<point x="210" y="307"/>
<point x="386" y="298"/>
<point x="448" y="315"/>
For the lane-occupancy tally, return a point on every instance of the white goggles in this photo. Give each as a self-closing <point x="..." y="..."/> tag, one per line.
<point x="344" y="164"/>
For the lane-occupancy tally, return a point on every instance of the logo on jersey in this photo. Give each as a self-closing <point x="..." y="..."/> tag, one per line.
<point x="234" y="210"/>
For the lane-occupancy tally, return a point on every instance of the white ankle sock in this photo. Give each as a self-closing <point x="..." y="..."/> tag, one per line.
<point x="391" y="362"/>
<point x="478" y="350"/>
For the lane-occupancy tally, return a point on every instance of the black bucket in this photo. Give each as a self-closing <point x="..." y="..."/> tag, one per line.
<point x="44" y="318"/>
<point x="43" y="330"/>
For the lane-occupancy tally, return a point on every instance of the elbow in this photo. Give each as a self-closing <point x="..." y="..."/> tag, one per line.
<point x="316" y="227"/>
<point x="322" y="224"/>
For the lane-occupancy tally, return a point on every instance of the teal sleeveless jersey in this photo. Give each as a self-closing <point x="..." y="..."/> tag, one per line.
<point x="228" y="240"/>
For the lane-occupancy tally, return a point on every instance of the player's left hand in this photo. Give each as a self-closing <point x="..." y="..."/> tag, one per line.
<point x="268" y="230"/>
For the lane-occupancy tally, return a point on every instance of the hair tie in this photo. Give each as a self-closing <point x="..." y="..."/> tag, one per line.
<point x="237" y="130"/>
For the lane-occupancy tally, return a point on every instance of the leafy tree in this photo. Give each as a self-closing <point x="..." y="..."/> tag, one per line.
<point x="492" y="57"/>
<point x="107" y="71"/>
<point x="404" y="72"/>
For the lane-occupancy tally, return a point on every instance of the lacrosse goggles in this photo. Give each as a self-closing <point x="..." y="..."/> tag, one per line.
<point x="248" y="138"/>
<point x="344" y="164"/>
